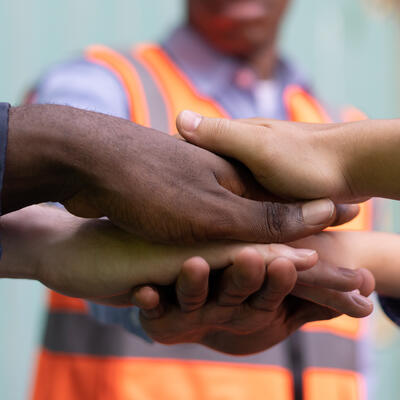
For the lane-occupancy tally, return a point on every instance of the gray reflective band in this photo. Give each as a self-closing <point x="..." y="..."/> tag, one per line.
<point x="80" y="334"/>
<point x="330" y="351"/>
<point x="155" y="100"/>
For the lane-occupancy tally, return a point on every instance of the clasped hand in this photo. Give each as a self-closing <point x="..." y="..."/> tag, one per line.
<point x="254" y="303"/>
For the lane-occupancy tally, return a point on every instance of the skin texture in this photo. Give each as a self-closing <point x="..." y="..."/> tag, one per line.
<point x="250" y="309"/>
<point x="95" y="260"/>
<point x="149" y="184"/>
<point x="375" y="251"/>
<point x="347" y="162"/>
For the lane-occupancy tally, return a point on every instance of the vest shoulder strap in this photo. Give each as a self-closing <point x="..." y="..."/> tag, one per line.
<point x="129" y="78"/>
<point x="302" y="107"/>
<point x="175" y="87"/>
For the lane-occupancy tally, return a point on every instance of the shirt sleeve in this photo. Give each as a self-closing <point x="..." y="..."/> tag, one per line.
<point x="84" y="85"/>
<point x="391" y="306"/>
<point x="91" y="87"/>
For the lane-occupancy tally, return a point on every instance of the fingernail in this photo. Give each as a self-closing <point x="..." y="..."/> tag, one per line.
<point x="361" y="300"/>
<point x="318" y="212"/>
<point x="190" y="120"/>
<point x="349" y="273"/>
<point x="305" y="253"/>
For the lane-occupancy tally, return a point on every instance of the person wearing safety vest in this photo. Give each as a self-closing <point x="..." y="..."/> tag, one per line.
<point x="223" y="63"/>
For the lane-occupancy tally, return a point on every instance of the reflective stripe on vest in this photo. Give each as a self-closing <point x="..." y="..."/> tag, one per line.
<point x="176" y="88"/>
<point x="84" y="359"/>
<point x="128" y="77"/>
<point x="147" y="379"/>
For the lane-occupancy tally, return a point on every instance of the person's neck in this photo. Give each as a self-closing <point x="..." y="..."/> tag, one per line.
<point x="263" y="62"/>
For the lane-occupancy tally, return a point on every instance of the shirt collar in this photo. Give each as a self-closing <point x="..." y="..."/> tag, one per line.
<point x="211" y="70"/>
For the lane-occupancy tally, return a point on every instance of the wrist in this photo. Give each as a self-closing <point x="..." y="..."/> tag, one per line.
<point x="336" y="145"/>
<point x="370" y="160"/>
<point x="38" y="166"/>
<point x="353" y="146"/>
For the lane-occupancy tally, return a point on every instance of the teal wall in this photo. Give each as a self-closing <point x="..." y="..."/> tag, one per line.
<point x="350" y="51"/>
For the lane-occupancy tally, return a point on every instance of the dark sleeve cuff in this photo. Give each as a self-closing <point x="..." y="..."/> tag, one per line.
<point x="4" y="112"/>
<point x="391" y="307"/>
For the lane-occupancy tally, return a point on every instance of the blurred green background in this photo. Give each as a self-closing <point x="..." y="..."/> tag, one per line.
<point x="350" y="48"/>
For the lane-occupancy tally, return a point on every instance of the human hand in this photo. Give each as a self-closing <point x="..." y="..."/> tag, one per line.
<point x="144" y="181"/>
<point x="292" y="160"/>
<point x="250" y="308"/>
<point x="375" y="251"/>
<point x="95" y="260"/>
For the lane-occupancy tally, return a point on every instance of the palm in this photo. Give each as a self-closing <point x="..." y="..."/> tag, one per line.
<point x="239" y="330"/>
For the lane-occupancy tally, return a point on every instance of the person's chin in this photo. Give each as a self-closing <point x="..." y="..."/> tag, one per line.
<point x="244" y="10"/>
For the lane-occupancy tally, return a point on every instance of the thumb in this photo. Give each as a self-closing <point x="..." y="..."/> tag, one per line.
<point x="226" y="137"/>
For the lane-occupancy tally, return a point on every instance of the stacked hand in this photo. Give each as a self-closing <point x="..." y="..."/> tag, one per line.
<point x="233" y="298"/>
<point x="144" y="181"/>
<point x="95" y="260"/>
<point x="292" y="160"/>
<point x="250" y="306"/>
<point x="236" y="298"/>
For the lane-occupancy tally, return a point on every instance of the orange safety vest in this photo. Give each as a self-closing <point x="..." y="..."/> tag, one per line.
<point x="82" y="359"/>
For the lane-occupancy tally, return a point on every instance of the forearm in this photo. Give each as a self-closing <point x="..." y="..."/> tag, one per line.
<point x="40" y="155"/>
<point x="369" y="154"/>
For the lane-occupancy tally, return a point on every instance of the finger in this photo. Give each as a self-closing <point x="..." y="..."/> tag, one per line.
<point x="148" y="299"/>
<point x="303" y="259"/>
<point x="115" y="301"/>
<point x="145" y="297"/>
<point x="368" y="284"/>
<point x="345" y="213"/>
<point x="350" y="303"/>
<point x="327" y="276"/>
<point x="280" y="280"/>
<point x="305" y="311"/>
<point x="273" y="222"/>
<point x="269" y="122"/>
<point x="192" y="284"/>
<point x="242" y="279"/>
<point x="227" y="137"/>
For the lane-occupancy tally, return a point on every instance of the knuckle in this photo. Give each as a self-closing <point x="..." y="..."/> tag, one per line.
<point x="275" y="215"/>
<point x="221" y="128"/>
<point x="276" y="250"/>
<point x="230" y="298"/>
<point x="242" y="285"/>
<point x="193" y="298"/>
<point x="281" y="220"/>
<point x="269" y="303"/>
